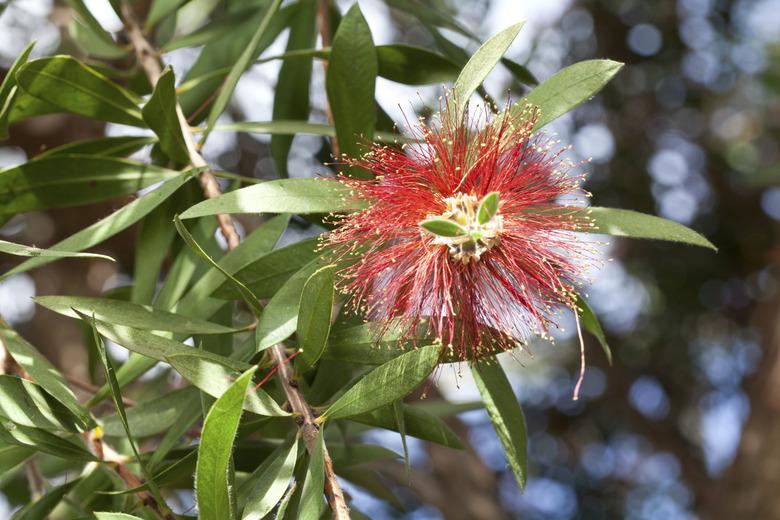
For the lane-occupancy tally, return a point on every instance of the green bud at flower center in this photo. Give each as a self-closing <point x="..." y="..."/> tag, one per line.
<point x="468" y="227"/>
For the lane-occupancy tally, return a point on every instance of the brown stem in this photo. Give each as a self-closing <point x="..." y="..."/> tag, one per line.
<point x="149" y="59"/>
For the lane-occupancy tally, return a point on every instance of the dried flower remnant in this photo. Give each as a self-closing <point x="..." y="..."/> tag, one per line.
<point x="465" y="237"/>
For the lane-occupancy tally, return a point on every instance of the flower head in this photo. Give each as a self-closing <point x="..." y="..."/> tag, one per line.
<point x="465" y="237"/>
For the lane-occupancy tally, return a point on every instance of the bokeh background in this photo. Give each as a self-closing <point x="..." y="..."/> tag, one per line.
<point x="686" y="423"/>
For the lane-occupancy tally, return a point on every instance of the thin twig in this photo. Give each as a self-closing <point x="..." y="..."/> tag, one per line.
<point x="149" y="59"/>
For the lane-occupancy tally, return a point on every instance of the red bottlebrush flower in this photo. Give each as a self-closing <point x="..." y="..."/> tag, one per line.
<point x="465" y="237"/>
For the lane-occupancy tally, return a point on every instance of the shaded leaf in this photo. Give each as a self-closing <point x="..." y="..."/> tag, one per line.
<point x="386" y="383"/>
<point x="130" y="314"/>
<point x="214" y="377"/>
<point x="216" y="445"/>
<point x="239" y="67"/>
<point x="267" y="484"/>
<point x="71" y="180"/>
<point x="154" y="416"/>
<point x="40" y="509"/>
<point x="591" y="323"/>
<point x="12" y="456"/>
<point x="43" y="373"/>
<point x="505" y="414"/>
<point x="350" y="83"/>
<point x="314" y="314"/>
<point x="417" y="421"/>
<point x="108" y="226"/>
<point x="411" y="65"/>
<point x="44" y="441"/>
<point x="31" y="251"/>
<point x="160" y="114"/>
<point x="311" y="496"/>
<point x="68" y="84"/>
<point x="282" y="127"/>
<point x="117" y="146"/>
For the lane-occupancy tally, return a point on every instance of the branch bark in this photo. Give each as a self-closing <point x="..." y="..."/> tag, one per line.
<point x="149" y="59"/>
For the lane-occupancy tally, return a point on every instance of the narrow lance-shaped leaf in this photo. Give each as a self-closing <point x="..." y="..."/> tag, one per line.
<point x="505" y="414"/>
<point x="385" y="384"/>
<point x="240" y="66"/>
<point x="114" y="146"/>
<point x="314" y="314"/>
<point x="291" y="98"/>
<point x="216" y="444"/>
<point x="479" y="66"/>
<point x="591" y="323"/>
<point x="39" y="509"/>
<point x="107" y="227"/>
<point x="31" y="251"/>
<point x="43" y="373"/>
<point x="120" y="312"/>
<point x="627" y="223"/>
<point x="61" y="181"/>
<point x="267" y="484"/>
<point x="9" y="89"/>
<point x="160" y="113"/>
<point x="116" y="395"/>
<point x="300" y="196"/>
<point x="311" y="496"/>
<point x="398" y="413"/>
<point x="26" y="403"/>
<point x="249" y="298"/>
<point x="70" y="85"/>
<point x="350" y="83"/>
<point x="567" y="89"/>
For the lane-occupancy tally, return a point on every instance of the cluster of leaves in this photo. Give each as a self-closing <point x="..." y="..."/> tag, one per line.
<point x="249" y="461"/>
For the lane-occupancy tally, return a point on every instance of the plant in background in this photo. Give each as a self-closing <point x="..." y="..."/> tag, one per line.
<point x="457" y="245"/>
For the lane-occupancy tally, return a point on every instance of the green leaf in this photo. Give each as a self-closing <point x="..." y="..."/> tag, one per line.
<point x="291" y="96"/>
<point x="71" y="86"/>
<point x="216" y="445"/>
<point x="443" y="227"/>
<point x="214" y="377"/>
<point x="386" y="383"/>
<point x="398" y="413"/>
<point x="119" y="146"/>
<point x="157" y="347"/>
<point x="108" y="226"/>
<point x="22" y="250"/>
<point x="351" y="81"/>
<point x="9" y="91"/>
<point x="479" y="66"/>
<point x="129" y="314"/>
<point x="417" y="421"/>
<point x="414" y="65"/>
<point x="154" y="416"/>
<point x="26" y="403"/>
<point x="44" y="441"/>
<point x="189" y="414"/>
<point x="84" y="15"/>
<point x="239" y="67"/>
<point x="246" y="294"/>
<point x="314" y="314"/>
<point x="105" y="515"/>
<point x="40" y="508"/>
<point x="520" y="72"/>
<point x="371" y="343"/>
<point x="567" y="89"/>
<point x="93" y="43"/>
<point x="152" y="244"/>
<point x="627" y="223"/>
<point x="311" y="496"/>
<point x="159" y="10"/>
<point x="281" y="196"/>
<point x="43" y="373"/>
<point x="12" y="456"/>
<point x="282" y="127"/>
<point x="267" y="484"/>
<point x="280" y="316"/>
<point x="505" y="414"/>
<point x="488" y="207"/>
<point x="160" y="114"/>
<point x="268" y="273"/>
<point x="62" y="181"/>
<point x="591" y="323"/>
<point x="260" y="242"/>
<point x="116" y="394"/>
